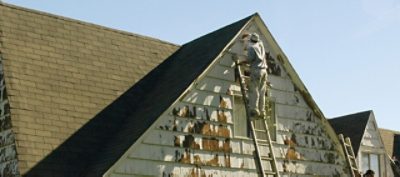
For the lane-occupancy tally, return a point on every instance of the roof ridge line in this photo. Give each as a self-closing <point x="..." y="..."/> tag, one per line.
<point x="355" y="113"/>
<point x="81" y="22"/>
<point x="201" y="71"/>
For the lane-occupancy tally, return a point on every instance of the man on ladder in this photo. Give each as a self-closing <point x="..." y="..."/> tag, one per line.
<point x="258" y="76"/>
<point x="255" y="105"/>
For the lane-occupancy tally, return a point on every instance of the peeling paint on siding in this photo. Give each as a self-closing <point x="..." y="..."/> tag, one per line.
<point x="196" y="137"/>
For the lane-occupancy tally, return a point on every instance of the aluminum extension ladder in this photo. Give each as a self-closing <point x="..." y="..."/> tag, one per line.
<point x="264" y="151"/>
<point x="350" y="157"/>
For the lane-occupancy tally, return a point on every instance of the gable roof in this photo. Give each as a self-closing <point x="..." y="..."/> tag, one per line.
<point x="352" y="126"/>
<point x="95" y="147"/>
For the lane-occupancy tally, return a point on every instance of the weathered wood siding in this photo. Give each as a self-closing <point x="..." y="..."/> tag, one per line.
<point x="196" y="136"/>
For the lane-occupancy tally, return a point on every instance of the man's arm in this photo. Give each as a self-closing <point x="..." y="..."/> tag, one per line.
<point x="239" y="61"/>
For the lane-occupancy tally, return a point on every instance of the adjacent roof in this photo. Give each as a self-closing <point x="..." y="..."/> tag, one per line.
<point x="59" y="73"/>
<point x="352" y="126"/>
<point x="388" y="138"/>
<point x="95" y="147"/>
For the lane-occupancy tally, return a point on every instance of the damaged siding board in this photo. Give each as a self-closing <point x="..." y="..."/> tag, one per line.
<point x="216" y="100"/>
<point x="222" y="73"/>
<point x="280" y="83"/>
<point x="197" y="156"/>
<point x="288" y="98"/>
<point x="195" y="137"/>
<point x="294" y="112"/>
<point x="141" y="167"/>
<point x="213" y="85"/>
<point x="300" y="127"/>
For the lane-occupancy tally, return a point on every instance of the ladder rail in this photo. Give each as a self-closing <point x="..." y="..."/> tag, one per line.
<point x="273" y="162"/>
<point x="349" y="153"/>
<point x="253" y="133"/>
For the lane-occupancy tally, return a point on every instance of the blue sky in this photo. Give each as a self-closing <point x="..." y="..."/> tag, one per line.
<point x="346" y="52"/>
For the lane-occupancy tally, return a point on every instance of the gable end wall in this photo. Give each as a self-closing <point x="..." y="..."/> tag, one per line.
<point x="196" y="135"/>
<point x="372" y="143"/>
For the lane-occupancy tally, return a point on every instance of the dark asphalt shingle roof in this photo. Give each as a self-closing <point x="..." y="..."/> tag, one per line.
<point x="94" y="148"/>
<point x="352" y="126"/>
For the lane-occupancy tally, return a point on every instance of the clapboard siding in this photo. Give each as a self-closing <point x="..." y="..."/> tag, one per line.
<point x="195" y="136"/>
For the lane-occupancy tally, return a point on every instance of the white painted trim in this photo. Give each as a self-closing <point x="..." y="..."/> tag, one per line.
<point x="191" y="86"/>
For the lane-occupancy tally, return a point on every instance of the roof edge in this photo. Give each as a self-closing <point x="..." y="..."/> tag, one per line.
<point x="389" y="130"/>
<point x="360" y="112"/>
<point x="83" y="23"/>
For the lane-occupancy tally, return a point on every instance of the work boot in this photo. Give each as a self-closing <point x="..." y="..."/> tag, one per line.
<point x="254" y="113"/>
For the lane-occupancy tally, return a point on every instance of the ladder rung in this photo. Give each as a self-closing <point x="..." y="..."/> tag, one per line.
<point x="266" y="158"/>
<point x="269" y="172"/>
<point x="263" y="141"/>
<point x="258" y="130"/>
<point x="263" y="144"/>
<point x="255" y="119"/>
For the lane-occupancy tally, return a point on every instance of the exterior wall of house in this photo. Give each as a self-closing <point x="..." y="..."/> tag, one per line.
<point x="371" y="147"/>
<point x="60" y="73"/>
<point x="196" y="135"/>
<point x="8" y="153"/>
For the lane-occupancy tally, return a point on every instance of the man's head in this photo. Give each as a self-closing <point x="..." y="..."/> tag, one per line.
<point x="369" y="173"/>
<point x="254" y="38"/>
